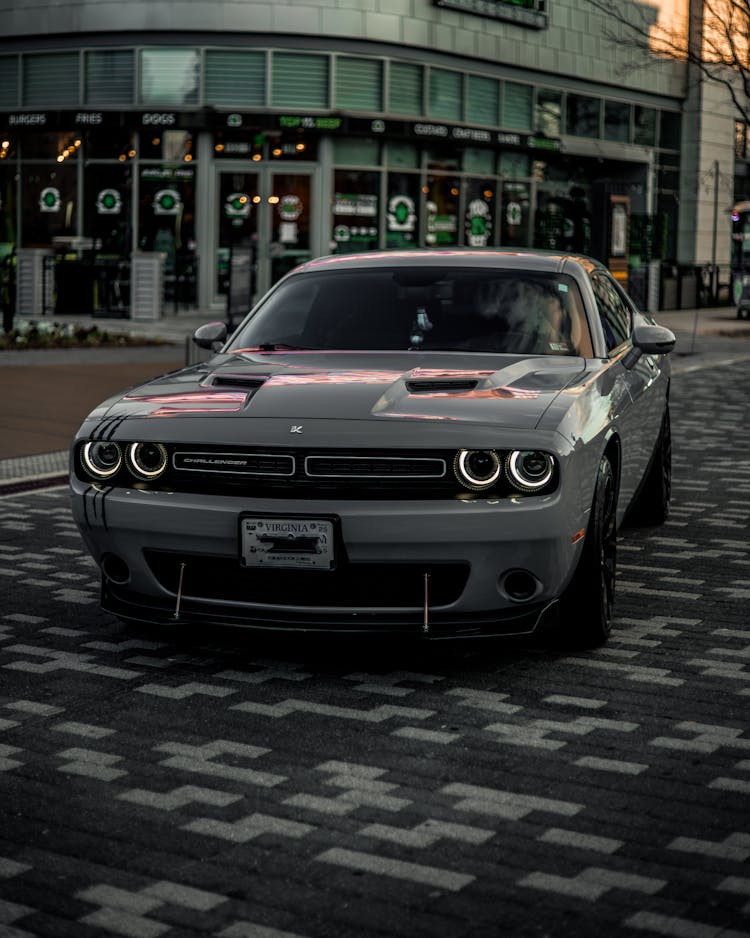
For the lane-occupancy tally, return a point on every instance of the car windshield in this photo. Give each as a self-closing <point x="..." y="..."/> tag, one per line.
<point x="422" y="308"/>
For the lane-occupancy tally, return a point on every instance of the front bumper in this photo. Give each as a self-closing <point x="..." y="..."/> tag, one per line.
<point x="177" y="560"/>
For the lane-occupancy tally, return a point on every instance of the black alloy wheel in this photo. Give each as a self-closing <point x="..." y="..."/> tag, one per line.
<point x="651" y="505"/>
<point x="587" y="606"/>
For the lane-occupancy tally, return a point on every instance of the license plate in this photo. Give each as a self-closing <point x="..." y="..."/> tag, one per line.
<point x="296" y="543"/>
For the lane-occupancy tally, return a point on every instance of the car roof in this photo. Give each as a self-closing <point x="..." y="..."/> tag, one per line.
<point x="526" y="259"/>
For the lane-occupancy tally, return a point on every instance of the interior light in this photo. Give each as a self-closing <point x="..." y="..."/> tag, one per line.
<point x="273" y="199"/>
<point x="300" y="147"/>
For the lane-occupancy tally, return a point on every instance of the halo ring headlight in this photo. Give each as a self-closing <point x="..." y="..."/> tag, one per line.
<point x="477" y="469"/>
<point x="101" y="459"/>
<point x="147" y="461"/>
<point x="529" y="470"/>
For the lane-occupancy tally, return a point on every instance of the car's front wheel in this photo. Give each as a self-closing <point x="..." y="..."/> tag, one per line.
<point x="586" y="606"/>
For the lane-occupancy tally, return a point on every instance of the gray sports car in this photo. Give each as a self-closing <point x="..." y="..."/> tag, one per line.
<point x="437" y="443"/>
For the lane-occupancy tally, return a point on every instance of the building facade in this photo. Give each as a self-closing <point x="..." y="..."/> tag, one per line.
<point x="232" y="140"/>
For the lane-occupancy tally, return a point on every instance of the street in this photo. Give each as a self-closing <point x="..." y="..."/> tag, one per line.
<point x="250" y="786"/>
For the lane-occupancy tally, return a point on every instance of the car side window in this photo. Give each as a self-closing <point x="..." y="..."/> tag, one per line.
<point x="614" y="312"/>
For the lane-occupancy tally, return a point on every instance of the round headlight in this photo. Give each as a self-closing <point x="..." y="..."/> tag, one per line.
<point x="529" y="470"/>
<point x="147" y="460"/>
<point x="477" y="469"/>
<point x="101" y="459"/>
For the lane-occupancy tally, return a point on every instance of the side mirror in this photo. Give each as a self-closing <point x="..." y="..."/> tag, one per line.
<point x="211" y="336"/>
<point x="649" y="340"/>
<point x="653" y="340"/>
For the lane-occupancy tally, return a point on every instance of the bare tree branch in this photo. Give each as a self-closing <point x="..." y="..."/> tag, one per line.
<point x="719" y="48"/>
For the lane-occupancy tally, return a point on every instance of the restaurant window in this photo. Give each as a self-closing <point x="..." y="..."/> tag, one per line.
<point x="235" y="78"/>
<point x="169" y="76"/>
<point x="172" y="145"/>
<point x="582" y="115"/>
<point x="402" y="211"/>
<point x="355" y="213"/>
<point x="479" y="161"/>
<point x="617" y="121"/>
<point x="644" y="126"/>
<point x="51" y="79"/>
<point x="446" y="94"/>
<point x="405" y="88"/>
<point x="109" y="77"/>
<point x="517" y="103"/>
<point x="9" y="81"/>
<point x="166" y="223"/>
<point x="513" y="165"/>
<point x="357" y="151"/>
<point x="441" y="211"/>
<point x="482" y="100"/>
<point x="479" y="213"/>
<point x="299" y="81"/>
<point x="48" y="203"/>
<point x="402" y="154"/>
<point x="359" y="84"/>
<point x="548" y="112"/>
<point x="106" y="226"/>
<point x="107" y="143"/>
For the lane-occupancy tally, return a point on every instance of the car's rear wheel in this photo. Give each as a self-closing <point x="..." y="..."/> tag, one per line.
<point x="586" y="606"/>
<point x="651" y="506"/>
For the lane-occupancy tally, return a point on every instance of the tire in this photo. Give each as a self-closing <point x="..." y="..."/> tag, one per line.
<point x="587" y="604"/>
<point x="651" y="505"/>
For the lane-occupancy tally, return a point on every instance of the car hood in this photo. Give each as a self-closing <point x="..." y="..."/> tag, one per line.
<point x="504" y="390"/>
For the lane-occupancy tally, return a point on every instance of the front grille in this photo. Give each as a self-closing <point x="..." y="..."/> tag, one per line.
<point x="234" y="463"/>
<point x="374" y="467"/>
<point x="350" y="585"/>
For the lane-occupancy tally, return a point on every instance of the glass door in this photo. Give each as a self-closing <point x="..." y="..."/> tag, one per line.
<point x="267" y="215"/>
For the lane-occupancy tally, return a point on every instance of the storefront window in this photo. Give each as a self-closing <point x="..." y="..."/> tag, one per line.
<point x="357" y="151"/>
<point x="48" y="203"/>
<point x="616" y="121"/>
<point x="170" y="145"/>
<point x="109" y="78"/>
<point x="292" y="211"/>
<point x="402" y="211"/>
<point x="513" y="165"/>
<point x="51" y="79"/>
<point x="299" y="81"/>
<point x="169" y="76"/>
<point x="548" y="112"/>
<point x="106" y="227"/>
<point x="359" y="84"/>
<point x="405" y="88"/>
<point x="482" y="100"/>
<point x="109" y="144"/>
<point x="239" y="199"/>
<point x="446" y="94"/>
<point x="7" y="207"/>
<point x="479" y="216"/>
<point x="166" y="223"/>
<point x="9" y="81"/>
<point x="517" y="100"/>
<point x="402" y="154"/>
<point x="515" y="226"/>
<point x="441" y="207"/>
<point x="645" y="126"/>
<point x="355" y="211"/>
<point x="582" y="115"/>
<point x="236" y="77"/>
<point x="479" y="161"/>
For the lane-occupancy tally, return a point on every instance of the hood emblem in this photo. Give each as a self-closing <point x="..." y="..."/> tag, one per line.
<point x="295" y="428"/>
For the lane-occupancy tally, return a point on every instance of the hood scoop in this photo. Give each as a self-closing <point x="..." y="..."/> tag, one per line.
<point x="441" y="385"/>
<point x="240" y="382"/>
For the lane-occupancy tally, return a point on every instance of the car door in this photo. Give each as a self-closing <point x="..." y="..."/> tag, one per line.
<point x="640" y="422"/>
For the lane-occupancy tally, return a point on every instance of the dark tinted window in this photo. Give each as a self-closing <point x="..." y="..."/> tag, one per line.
<point x="426" y="308"/>
<point x="614" y="311"/>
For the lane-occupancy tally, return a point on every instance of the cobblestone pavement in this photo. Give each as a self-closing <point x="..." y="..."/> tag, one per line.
<point x="227" y="785"/>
